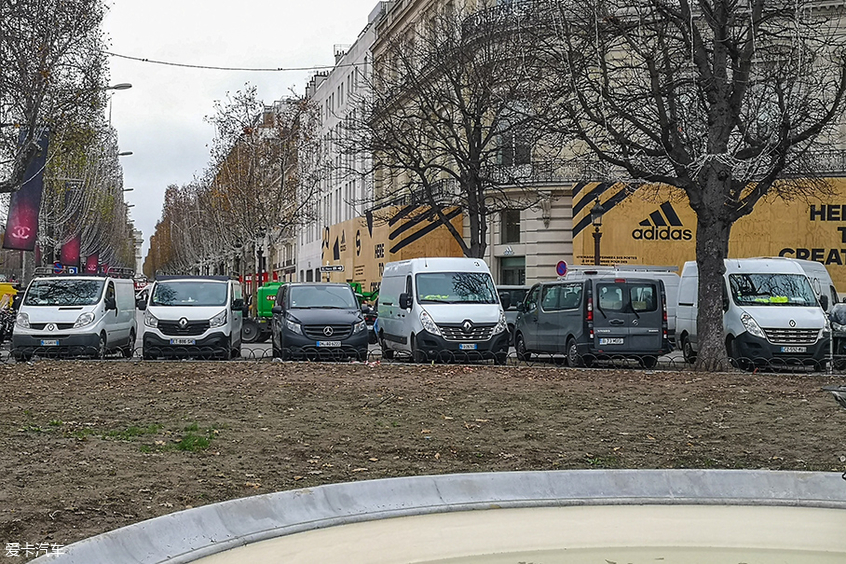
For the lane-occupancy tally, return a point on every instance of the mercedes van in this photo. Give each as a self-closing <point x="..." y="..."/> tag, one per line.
<point x="73" y="315"/>
<point x="193" y="316"/>
<point x="441" y="308"/>
<point x="594" y="316"/>
<point x="770" y="312"/>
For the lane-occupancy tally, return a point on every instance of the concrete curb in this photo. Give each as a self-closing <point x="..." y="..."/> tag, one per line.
<point x="188" y="535"/>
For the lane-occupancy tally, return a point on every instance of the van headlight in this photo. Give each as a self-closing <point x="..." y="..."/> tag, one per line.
<point x="428" y="323"/>
<point x="752" y="326"/>
<point x="150" y="320"/>
<point x="218" y="320"/>
<point x="84" y="319"/>
<point x="22" y="320"/>
<point x="501" y="325"/>
<point x="293" y="326"/>
<point x="359" y="327"/>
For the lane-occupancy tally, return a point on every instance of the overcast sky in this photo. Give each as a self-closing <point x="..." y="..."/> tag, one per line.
<point x="160" y="119"/>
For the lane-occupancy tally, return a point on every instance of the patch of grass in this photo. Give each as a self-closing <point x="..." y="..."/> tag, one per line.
<point x="192" y="442"/>
<point x="81" y="434"/>
<point x="55" y="423"/>
<point x="604" y="462"/>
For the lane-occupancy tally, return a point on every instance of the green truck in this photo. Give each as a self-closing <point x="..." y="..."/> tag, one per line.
<point x="256" y="328"/>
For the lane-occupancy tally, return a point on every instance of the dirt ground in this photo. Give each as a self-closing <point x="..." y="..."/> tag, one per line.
<point x="92" y="446"/>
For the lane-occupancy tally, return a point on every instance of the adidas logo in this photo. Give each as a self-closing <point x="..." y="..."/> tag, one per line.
<point x="663" y="224"/>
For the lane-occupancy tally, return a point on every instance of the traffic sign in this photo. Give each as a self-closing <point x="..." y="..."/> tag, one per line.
<point x="561" y="268"/>
<point x="57" y="267"/>
<point x="332" y="268"/>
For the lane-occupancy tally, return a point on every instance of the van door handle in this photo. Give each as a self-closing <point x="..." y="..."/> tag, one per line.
<point x="616" y="322"/>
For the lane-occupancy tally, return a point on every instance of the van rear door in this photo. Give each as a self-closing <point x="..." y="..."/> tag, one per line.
<point x="628" y="316"/>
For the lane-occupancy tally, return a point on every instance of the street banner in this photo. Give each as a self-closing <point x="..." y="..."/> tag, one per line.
<point x="91" y="263"/>
<point x="69" y="255"/>
<point x="22" y="223"/>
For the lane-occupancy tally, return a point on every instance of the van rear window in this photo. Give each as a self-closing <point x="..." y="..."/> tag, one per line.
<point x="621" y="296"/>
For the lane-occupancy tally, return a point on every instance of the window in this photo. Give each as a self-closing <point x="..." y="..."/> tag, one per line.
<point x="512" y="271"/>
<point x="532" y="299"/>
<point x="510" y="229"/>
<point x="514" y="149"/>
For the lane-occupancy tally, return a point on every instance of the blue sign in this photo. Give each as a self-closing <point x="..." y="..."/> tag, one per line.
<point x="57" y="267"/>
<point x="561" y="268"/>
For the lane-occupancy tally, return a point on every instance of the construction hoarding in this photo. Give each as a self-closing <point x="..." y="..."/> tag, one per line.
<point x="656" y="226"/>
<point x="364" y="245"/>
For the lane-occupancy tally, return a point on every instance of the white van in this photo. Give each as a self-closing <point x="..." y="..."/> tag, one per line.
<point x="75" y="316"/>
<point x="193" y="316"/>
<point x="441" y="308"/>
<point x="770" y="312"/>
<point x="667" y="274"/>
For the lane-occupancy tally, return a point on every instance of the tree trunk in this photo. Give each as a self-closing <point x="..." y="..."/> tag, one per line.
<point x="711" y="250"/>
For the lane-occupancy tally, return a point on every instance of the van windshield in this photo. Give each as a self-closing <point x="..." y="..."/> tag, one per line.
<point x="64" y="292"/>
<point x="771" y="290"/>
<point x="189" y="293"/>
<point x="456" y="288"/>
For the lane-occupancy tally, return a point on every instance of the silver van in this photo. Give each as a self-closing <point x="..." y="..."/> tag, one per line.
<point x="70" y="315"/>
<point x="594" y="317"/>
<point x="193" y="316"/>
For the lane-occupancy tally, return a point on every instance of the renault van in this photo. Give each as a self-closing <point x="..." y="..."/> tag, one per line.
<point x="75" y="316"/>
<point x="594" y="316"/>
<point x="770" y="312"/>
<point x="193" y="316"/>
<point x="441" y="308"/>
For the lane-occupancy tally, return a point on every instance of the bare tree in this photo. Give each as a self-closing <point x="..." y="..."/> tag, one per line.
<point x="52" y="69"/>
<point x="726" y="100"/>
<point x="450" y="118"/>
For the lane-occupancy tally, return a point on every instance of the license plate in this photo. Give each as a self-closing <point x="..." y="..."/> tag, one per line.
<point x="611" y="341"/>
<point x="328" y="343"/>
<point x="793" y="349"/>
<point x="49" y="342"/>
<point x="467" y="346"/>
<point x="183" y="341"/>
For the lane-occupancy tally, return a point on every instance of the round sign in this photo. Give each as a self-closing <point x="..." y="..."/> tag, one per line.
<point x="57" y="267"/>
<point x="561" y="268"/>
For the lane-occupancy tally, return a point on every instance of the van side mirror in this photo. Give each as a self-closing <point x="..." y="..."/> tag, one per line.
<point x="276" y="309"/>
<point x="505" y="300"/>
<point x="110" y="303"/>
<point x="141" y="304"/>
<point x="405" y="301"/>
<point x="237" y="303"/>
<point x="16" y="301"/>
<point x="824" y="302"/>
<point x="520" y="307"/>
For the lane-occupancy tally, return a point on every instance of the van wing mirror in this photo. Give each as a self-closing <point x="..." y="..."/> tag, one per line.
<point x="405" y="301"/>
<point x="16" y="301"/>
<point x="238" y="303"/>
<point x="276" y="309"/>
<point x="824" y="302"/>
<point x="505" y="300"/>
<point x="141" y="304"/>
<point x="110" y="303"/>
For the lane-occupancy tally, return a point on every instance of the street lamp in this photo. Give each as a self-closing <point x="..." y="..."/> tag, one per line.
<point x="119" y="86"/>
<point x="596" y="219"/>
<point x="124" y="153"/>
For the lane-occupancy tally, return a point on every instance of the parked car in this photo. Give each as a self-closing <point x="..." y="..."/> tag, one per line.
<point x="193" y="316"/>
<point x="770" y="312"/>
<point x="318" y="320"/>
<point x="75" y="316"/>
<point x="594" y="317"/>
<point x="441" y="308"/>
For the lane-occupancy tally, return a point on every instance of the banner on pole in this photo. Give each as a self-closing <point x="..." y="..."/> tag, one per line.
<point x="22" y="224"/>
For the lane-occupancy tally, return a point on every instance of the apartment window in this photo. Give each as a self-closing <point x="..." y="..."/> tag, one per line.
<point x="510" y="228"/>
<point x="514" y="150"/>
<point x="512" y="271"/>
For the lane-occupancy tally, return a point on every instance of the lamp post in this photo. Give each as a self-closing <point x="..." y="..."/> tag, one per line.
<point x="596" y="219"/>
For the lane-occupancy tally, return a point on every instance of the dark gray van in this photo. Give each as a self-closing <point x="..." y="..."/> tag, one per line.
<point x="594" y="317"/>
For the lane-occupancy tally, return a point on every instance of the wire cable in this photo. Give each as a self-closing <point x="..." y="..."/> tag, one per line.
<point x="220" y="68"/>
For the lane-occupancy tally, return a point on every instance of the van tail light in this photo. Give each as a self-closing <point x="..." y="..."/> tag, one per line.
<point x="589" y="317"/>
<point x="664" y="325"/>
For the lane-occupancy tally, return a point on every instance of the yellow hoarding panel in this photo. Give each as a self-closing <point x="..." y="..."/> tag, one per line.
<point x="364" y="244"/>
<point x="656" y="226"/>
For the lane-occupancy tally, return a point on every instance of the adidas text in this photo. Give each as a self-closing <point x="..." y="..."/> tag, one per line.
<point x="662" y="234"/>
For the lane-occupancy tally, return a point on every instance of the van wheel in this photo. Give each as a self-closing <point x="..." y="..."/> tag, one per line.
<point x="249" y="331"/>
<point x="574" y="359"/>
<point x="648" y="361"/>
<point x="520" y="345"/>
<point x="741" y="362"/>
<point x="387" y="353"/>
<point x="687" y="350"/>
<point x="101" y="347"/>
<point x="416" y="354"/>
<point x="129" y="349"/>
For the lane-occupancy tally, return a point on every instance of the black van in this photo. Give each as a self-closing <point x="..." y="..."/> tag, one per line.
<point x="594" y="317"/>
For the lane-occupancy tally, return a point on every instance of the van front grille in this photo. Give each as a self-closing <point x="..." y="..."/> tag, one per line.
<point x="457" y="332"/>
<point x="59" y="326"/>
<point x="317" y="332"/>
<point x="173" y="329"/>
<point x="793" y="336"/>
